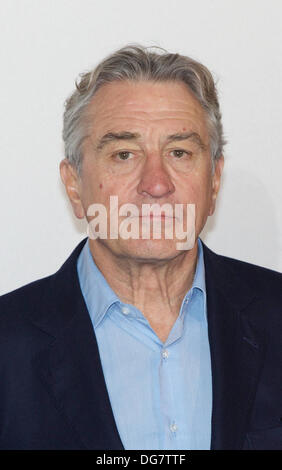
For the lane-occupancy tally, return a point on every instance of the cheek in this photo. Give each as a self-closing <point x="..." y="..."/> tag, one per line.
<point x="95" y="183"/>
<point x="194" y="189"/>
<point x="92" y="189"/>
<point x="197" y="190"/>
<point x="101" y="191"/>
<point x="123" y="186"/>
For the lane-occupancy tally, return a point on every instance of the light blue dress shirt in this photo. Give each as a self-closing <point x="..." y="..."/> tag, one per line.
<point x="160" y="393"/>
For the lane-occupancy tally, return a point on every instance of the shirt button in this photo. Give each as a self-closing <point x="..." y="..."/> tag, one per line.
<point x="165" y="353"/>
<point x="125" y="310"/>
<point x="173" y="427"/>
<point x="186" y="300"/>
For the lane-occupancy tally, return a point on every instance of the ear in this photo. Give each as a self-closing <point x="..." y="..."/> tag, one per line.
<point x="216" y="178"/>
<point x="71" y="181"/>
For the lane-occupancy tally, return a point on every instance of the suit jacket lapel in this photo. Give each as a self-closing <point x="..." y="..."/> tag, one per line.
<point x="70" y="366"/>
<point x="237" y="350"/>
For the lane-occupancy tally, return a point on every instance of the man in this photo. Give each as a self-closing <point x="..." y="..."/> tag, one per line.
<point x="135" y="343"/>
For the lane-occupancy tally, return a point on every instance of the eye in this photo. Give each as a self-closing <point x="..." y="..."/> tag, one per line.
<point x="178" y="153"/>
<point x="124" y="155"/>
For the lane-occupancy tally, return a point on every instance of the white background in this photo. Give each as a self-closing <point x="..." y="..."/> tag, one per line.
<point x="45" y="44"/>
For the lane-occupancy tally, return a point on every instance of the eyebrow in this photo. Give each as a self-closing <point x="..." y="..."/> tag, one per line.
<point x="194" y="136"/>
<point x="114" y="136"/>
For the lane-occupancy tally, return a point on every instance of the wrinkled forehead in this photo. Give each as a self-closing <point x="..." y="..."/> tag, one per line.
<point x="146" y="106"/>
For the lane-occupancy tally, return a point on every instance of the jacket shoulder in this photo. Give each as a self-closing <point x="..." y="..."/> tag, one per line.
<point x="37" y="296"/>
<point x="16" y="305"/>
<point x="254" y="269"/>
<point x="249" y="267"/>
<point x="262" y="280"/>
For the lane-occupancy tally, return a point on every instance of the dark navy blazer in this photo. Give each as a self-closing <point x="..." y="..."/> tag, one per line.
<point x="52" y="390"/>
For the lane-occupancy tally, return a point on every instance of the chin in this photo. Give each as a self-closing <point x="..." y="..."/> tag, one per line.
<point x="149" y="250"/>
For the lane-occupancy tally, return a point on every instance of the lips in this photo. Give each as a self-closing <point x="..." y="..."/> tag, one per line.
<point x="156" y="216"/>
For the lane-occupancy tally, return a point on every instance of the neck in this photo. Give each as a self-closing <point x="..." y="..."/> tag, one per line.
<point x="155" y="287"/>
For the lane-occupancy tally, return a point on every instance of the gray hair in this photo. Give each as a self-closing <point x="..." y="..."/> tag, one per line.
<point x="136" y="63"/>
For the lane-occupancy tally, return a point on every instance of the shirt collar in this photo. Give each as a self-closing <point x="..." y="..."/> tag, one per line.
<point x="99" y="296"/>
<point x="199" y="285"/>
<point x="97" y="293"/>
<point x="199" y="278"/>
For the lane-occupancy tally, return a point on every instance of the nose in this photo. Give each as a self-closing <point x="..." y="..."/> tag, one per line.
<point x="155" y="180"/>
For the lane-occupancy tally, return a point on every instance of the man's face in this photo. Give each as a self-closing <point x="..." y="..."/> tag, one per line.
<point x="148" y="143"/>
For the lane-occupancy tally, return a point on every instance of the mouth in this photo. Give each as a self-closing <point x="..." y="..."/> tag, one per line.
<point x="156" y="216"/>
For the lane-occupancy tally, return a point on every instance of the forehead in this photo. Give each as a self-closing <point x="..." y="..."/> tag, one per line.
<point x="146" y="104"/>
